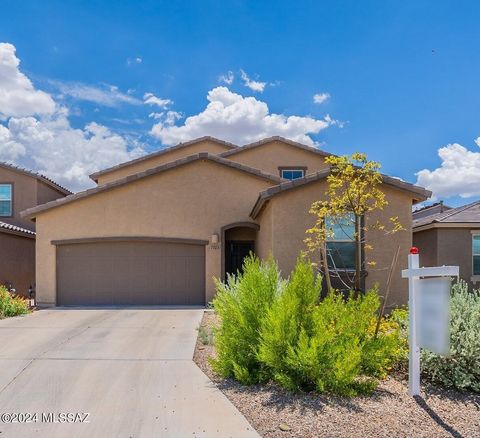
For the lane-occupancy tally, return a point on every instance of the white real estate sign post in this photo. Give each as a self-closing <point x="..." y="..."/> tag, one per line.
<point x="429" y="313"/>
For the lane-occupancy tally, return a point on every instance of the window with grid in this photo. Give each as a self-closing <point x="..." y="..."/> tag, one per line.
<point x="293" y="173"/>
<point x="341" y="242"/>
<point x="6" y="201"/>
<point x="476" y="254"/>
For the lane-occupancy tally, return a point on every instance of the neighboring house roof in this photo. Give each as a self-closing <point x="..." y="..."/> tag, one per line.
<point x="14" y="229"/>
<point x="257" y="144"/>
<point x="466" y="215"/>
<point x="419" y="193"/>
<point x="32" y="212"/>
<point x="428" y="210"/>
<point x="36" y="175"/>
<point x="228" y="145"/>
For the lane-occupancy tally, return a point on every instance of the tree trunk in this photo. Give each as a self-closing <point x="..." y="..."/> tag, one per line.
<point x="325" y="267"/>
<point x="358" y="255"/>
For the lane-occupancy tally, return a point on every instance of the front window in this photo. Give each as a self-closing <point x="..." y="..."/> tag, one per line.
<point x="341" y="242"/>
<point x="293" y="173"/>
<point x="476" y="254"/>
<point x="6" y="200"/>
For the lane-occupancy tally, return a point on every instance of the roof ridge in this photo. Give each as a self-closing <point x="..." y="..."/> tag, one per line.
<point x="447" y="214"/>
<point x="162" y="151"/>
<point x="275" y="138"/>
<point x="30" y="212"/>
<point x="35" y="174"/>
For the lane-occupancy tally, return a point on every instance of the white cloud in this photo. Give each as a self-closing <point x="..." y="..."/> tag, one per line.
<point x="37" y="134"/>
<point x="138" y="60"/>
<point x="227" y="78"/>
<point x="253" y="85"/>
<point x="321" y="97"/>
<point x="151" y="99"/>
<point x="18" y="96"/>
<point x="241" y="120"/>
<point x="458" y="175"/>
<point x="108" y="95"/>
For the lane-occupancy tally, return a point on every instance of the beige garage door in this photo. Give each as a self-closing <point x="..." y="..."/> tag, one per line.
<point x="130" y="273"/>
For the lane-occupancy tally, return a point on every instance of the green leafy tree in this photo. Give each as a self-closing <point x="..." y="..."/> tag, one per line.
<point x="353" y="192"/>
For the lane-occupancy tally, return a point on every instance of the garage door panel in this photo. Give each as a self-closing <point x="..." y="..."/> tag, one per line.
<point x="122" y="273"/>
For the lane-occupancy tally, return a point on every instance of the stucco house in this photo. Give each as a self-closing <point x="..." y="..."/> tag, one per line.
<point x="450" y="236"/>
<point x="159" y="229"/>
<point x="21" y="189"/>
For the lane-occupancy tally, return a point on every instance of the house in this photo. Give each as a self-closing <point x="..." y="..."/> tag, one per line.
<point x="159" y="229"/>
<point x="450" y="237"/>
<point x="21" y="189"/>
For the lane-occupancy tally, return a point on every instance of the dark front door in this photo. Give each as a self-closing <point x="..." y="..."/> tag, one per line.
<point x="235" y="252"/>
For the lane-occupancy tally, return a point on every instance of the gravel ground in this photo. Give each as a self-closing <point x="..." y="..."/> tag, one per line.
<point x="390" y="412"/>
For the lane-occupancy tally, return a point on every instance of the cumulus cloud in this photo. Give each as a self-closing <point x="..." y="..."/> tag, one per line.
<point x="320" y="98"/>
<point x="458" y="174"/>
<point x="227" y="78"/>
<point x="18" y="97"/>
<point x="250" y="83"/>
<point x="241" y="120"/>
<point x="151" y="99"/>
<point x="107" y="95"/>
<point x="36" y="132"/>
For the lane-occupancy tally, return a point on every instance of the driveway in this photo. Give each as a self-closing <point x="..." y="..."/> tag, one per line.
<point x="129" y="369"/>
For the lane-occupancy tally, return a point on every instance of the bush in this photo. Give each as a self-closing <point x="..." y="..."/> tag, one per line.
<point x="461" y="369"/>
<point x="242" y="304"/>
<point x="12" y="305"/>
<point x="279" y="330"/>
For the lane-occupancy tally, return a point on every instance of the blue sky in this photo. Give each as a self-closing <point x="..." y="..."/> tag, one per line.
<point x="401" y="78"/>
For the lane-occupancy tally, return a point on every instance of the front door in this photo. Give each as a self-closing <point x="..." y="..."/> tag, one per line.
<point x="235" y="252"/>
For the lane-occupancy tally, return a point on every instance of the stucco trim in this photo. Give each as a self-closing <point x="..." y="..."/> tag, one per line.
<point x="130" y="239"/>
<point x="420" y="194"/>
<point x="448" y="225"/>
<point x="284" y="140"/>
<point x="228" y="145"/>
<point x="49" y="182"/>
<point x="32" y="212"/>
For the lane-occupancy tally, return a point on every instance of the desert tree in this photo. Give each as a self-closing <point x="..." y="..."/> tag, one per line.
<point x="353" y="192"/>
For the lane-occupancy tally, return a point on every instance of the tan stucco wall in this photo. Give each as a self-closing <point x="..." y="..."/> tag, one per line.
<point x="270" y="156"/>
<point x="17" y="266"/>
<point x="46" y="193"/>
<point x="264" y="243"/>
<point x="24" y="195"/>
<point x="154" y="161"/>
<point x="193" y="201"/>
<point x="454" y="247"/>
<point x="426" y="242"/>
<point x="290" y="219"/>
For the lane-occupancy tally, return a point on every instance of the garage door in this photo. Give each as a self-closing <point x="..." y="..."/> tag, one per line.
<point x="130" y="273"/>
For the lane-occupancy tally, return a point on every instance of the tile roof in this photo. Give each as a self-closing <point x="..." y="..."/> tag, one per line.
<point x="275" y="138"/>
<point x="420" y="193"/>
<point x="469" y="213"/>
<point x="36" y="175"/>
<point x="95" y="175"/>
<point x="15" y="229"/>
<point x="32" y="212"/>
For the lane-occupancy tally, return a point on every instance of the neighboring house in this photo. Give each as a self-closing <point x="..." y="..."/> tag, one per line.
<point x="158" y="229"/>
<point x="450" y="237"/>
<point x="21" y="189"/>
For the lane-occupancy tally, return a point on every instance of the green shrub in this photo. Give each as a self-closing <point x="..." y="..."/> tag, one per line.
<point x="291" y="316"/>
<point x="242" y="304"/>
<point x="461" y="369"/>
<point x="274" y="329"/>
<point x="12" y="305"/>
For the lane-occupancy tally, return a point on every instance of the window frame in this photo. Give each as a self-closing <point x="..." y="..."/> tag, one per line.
<point x="351" y="241"/>
<point x="302" y="169"/>
<point x="11" y="184"/>
<point x="475" y="233"/>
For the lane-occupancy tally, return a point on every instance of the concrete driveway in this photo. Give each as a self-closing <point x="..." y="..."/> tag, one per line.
<point x="130" y="370"/>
